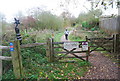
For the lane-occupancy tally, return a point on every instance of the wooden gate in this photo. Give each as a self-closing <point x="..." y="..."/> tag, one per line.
<point x="101" y="44"/>
<point x="58" y="50"/>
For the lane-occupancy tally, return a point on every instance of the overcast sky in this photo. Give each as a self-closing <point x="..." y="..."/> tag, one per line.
<point x="11" y="7"/>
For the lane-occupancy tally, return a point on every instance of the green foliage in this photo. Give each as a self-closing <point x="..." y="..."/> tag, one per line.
<point x="93" y="24"/>
<point x="76" y="25"/>
<point x="59" y="70"/>
<point x="89" y="20"/>
<point x="46" y="20"/>
<point x="36" y="36"/>
<point x="8" y="75"/>
<point x="92" y="29"/>
<point x="85" y="24"/>
<point x="37" y="67"/>
<point x="74" y="37"/>
<point x="58" y="36"/>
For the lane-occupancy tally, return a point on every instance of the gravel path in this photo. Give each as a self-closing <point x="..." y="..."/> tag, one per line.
<point x="102" y="67"/>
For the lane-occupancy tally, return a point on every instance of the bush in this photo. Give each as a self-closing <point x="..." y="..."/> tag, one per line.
<point x="85" y="24"/>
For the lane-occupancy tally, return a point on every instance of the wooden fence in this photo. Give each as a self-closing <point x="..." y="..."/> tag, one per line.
<point x="16" y="57"/>
<point x="110" y="25"/>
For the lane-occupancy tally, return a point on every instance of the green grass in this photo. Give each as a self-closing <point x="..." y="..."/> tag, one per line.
<point x="75" y="38"/>
<point x="58" y="36"/>
<point x="55" y="70"/>
<point x="58" y="70"/>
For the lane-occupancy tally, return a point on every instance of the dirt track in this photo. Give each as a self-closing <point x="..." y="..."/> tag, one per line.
<point x="102" y="67"/>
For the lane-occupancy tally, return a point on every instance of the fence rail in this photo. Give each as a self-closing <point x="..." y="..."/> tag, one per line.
<point x="4" y="47"/>
<point x="32" y="45"/>
<point x="24" y="46"/>
<point x="5" y="58"/>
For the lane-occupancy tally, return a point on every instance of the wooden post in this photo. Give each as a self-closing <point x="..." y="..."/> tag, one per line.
<point x="17" y="60"/>
<point x="86" y="38"/>
<point x="113" y="43"/>
<point x="0" y="65"/>
<point x="52" y="35"/>
<point x="50" y="50"/>
<point x="116" y="41"/>
<point x="87" y="53"/>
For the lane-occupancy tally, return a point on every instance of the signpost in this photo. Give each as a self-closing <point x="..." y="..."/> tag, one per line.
<point x="18" y="35"/>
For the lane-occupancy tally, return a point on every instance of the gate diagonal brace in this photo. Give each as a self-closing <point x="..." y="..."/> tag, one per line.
<point x="105" y="48"/>
<point x="100" y="46"/>
<point x="77" y="56"/>
<point x="68" y="52"/>
<point x="74" y="54"/>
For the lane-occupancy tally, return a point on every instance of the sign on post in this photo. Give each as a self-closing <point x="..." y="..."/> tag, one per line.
<point x="71" y="45"/>
<point x="11" y="46"/>
<point x="84" y="46"/>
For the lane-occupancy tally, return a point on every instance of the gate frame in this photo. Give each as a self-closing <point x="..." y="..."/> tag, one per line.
<point x="50" y="53"/>
<point x="91" y="40"/>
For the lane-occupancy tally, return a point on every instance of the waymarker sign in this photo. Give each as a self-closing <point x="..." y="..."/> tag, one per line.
<point x="84" y="46"/>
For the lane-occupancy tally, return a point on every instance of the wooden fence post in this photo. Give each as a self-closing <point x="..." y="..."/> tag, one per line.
<point x="50" y="50"/>
<point x="0" y="65"/>
<point x="116" y="41"/>
<point x="113" y="43"/>
<point x="17" y="60"/>
<point x="87" y="52"/>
